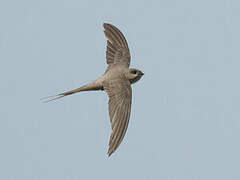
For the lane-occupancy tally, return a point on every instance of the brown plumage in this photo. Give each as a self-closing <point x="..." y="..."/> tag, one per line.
<point x="116" y="82"/>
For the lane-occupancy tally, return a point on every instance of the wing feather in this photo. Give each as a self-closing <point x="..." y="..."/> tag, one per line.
<point x="117" y="47"/>
<point x="120" y="98"/>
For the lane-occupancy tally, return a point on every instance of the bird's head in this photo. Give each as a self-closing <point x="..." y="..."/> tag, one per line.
<point x="134" y="75"/>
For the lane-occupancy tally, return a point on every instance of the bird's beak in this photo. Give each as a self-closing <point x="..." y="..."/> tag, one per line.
<point x="142" y="73"/>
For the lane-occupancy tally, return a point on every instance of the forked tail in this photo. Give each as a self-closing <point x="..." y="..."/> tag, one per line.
<point x="51" y="98"/>
<point x="95" y="85"/>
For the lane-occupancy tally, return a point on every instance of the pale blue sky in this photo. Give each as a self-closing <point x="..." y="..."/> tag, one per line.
<point x="185" y="112"/>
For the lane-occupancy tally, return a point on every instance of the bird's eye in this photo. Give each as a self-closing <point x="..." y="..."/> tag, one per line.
<point x="134" y="72"/>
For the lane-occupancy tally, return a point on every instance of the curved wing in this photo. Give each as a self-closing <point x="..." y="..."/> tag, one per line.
<point x="120" y="98"/>
<point x="117" y="47"/>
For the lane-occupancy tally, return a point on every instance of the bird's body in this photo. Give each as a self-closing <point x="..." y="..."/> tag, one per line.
<point x="116" y="82"/>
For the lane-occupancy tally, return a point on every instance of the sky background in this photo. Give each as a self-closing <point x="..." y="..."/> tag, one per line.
<point x="185" y="113"/>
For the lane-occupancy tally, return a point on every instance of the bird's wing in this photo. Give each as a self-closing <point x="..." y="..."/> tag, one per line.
<point x="117" y="47"/>
<point x="119" y="106"/>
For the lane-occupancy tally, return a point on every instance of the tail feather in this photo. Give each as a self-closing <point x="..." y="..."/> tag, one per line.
<point x="61" y="95"/>
<point x="89" y="87"/>
<point x="51" y="98"/>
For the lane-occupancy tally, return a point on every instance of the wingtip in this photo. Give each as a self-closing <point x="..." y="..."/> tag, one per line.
<point x="105" y="25"/>
<point x="109" y="153"/>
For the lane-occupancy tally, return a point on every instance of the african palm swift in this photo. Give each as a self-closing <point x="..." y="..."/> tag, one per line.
<point x="116" y="82"/>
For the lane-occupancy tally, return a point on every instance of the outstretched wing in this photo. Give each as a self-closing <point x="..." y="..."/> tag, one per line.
<point x="117" y="47"/>
<point x="120" y="98"/>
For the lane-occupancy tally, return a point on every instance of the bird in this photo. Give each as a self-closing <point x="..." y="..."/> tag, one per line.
<point x="116" y="82"/>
